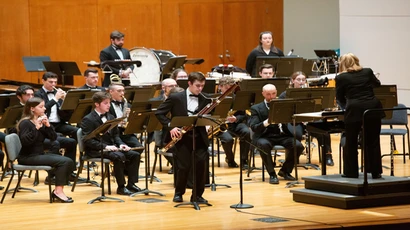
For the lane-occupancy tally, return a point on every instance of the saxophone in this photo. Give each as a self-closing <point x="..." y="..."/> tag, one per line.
<point x="207" y="109"/>
<point x="125" y="114"/>
<point x="217" y="129"/>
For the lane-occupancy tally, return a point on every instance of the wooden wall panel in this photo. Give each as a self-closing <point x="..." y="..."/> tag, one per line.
<point x="65" y="31"/>
<point x="77" y="30"/>
<point x="14" y="38"/>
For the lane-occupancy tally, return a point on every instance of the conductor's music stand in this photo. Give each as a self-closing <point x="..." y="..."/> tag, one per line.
<point x="64" y="69"/>
<point x="98" y="133"/>
<point x="282" y="111"/>
<point x="193" y="121"/>
<point x="138" y="122"/>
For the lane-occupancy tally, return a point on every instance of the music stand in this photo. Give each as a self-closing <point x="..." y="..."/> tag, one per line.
<point x="11" y="116"/>
<point x="210" y="85"/>
<point x="98" y="133"/>
<point x="84" y="107"/>
<point x="194" y="61"/>
<point x="325" y="53"/>
<point x="172" y="64"/>
<point x="283" y="66"/>
<point x="5" y="102"/>
<point x="64" y="69"/>
<point x="387" y="94"/>
<point x="256" y="84"/>
<point x="138" y="122"/>
<point x="193" y="121"/>
<point x="73" y="96"/>
<point x="283" y="111"/>
<point x="35" y="64"/>
<point x="327" y="94"/>
<point x="139" y="94"/>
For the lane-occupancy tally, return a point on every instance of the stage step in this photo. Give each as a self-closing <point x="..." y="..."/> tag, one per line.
<point x="343" y="201"/>
<point x="352" y="186"/>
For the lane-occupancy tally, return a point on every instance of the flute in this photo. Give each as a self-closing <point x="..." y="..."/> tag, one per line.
<point x="121" y="150"/>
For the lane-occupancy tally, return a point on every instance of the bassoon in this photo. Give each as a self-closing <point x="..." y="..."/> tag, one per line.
<point x="207" y="109"/>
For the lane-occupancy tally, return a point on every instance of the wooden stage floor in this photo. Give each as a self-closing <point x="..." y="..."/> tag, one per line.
<point x="273" y="205"/>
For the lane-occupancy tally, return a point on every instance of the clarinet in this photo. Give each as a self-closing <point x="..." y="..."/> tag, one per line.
<point x="207" y="109"/>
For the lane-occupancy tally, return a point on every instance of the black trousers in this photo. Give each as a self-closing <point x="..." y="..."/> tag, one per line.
<point x="267" y="143"/>
<point x="242" y="131"/>
<point x="132" y="141"/>
<point x="63" y="166"/>
<point x="65" y="129"/>
<point x="183" y="160"/>
<point x="372" y="147"/>
<point x="125" y="162"/>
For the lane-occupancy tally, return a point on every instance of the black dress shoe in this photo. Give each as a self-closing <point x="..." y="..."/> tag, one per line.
<point x="376" y="176"/>
<point x="200" y="199"/>
<point x="232" y="164"/>
<point x="134" y="188"/>
<point x="329" y="160"/>
<point x="55" y="197"/>
<point x="350" y="176"/>
<point x="286" y="176"/>
<point x="124" y="191"/>
<point x="177" y="199"/>
<point x="171" y="170"/>
<point x="273" y="179"/>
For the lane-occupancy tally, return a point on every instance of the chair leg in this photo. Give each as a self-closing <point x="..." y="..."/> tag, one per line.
<point x="78" y="174"/>
<point x="7" y="188"/>
<point x="49" y="189"/>
<point x="108" y="176"/>
<point x="20" y="176"/>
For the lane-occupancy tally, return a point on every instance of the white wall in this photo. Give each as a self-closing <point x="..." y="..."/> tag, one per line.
<point x="378" y="32"/>
<point x="310" y="25"/>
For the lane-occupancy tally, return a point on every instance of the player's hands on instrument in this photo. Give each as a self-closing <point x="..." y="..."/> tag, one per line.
<point x="39" y="122"/>
<point x="125" y="148"/>
<point x="175" y="132"/>
<point x="231" y="119"/>
<point x="111" y="148"/>
<point x="60" y="94"/>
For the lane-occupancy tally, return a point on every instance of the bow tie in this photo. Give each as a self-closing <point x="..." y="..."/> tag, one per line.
<point x="50" y="92"/>
<point x="193" y="95"/>
<point x="119" y="103"/>
<point x="103" y="115"/>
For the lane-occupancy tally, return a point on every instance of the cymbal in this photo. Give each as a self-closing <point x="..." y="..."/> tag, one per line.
<point x="92" y="63"/>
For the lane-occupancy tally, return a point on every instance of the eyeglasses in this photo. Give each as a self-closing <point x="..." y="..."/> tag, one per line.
<point x="172" y="86"/>
<point x="300" y="79"/>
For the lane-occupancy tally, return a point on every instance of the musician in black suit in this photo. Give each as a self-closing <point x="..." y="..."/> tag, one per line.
<point x="53" y="99"/>
<point x="119" y="109"/>
<point x="117" y="151"/>
<point x="267" y="135"/>
<point x="354" y="93"/>
<point x="91" y="80"/>
<point x="116" y="52"/>
<point x="265" y="48"/>
<point x="185" y="103"/>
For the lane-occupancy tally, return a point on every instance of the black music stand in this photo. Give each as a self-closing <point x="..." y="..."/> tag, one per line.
<point x="194" y="61"/>
<point x="193" y="121"/>
<point x="172" y="64"/>
<point x="325" y="53"/>
<point x="84" y="107"/>
<point x="284" y="66"/>
<point x="11" y="116"/>
<point x="98" y="133"/>
<point x="282" y="111"/>
<point x="73" y="96"/>
<point x="35" y="64"/>
<point x="243" y="100"/>
<point x="256" y="84"/>
<point x="210" y="85"/>
<point x="138" y="93"/>
<point x="138" y="122"/>
<point x="5" y="100"/>
<point x="64" y="69"/>
<point x="327" y="94"/>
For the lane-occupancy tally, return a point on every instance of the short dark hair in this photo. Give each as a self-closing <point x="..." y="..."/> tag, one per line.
<point x="22" y="89"/>
<point x="90" y="70"/>
<point x="113" y="84"/>
<point x="116" y="34"/>
<point x="196" y="76"/>
<point x="48" y="75"/>
<point x="266" y="66"/>
<point x="98" y="97"/>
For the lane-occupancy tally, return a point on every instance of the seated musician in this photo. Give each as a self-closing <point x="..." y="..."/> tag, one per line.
<point x="267" y="135"/>
<point x="236" y="127"/>
<point x="53" y="99"/>
<point x="121" y="108"/>
<point x="298" y="80"/>
<point x="167" y="86"/>
<point x="178" y="74"/>
<point x="115" y="149"/>
<point x="266" y="71"/>
<point x="91" y="80"/>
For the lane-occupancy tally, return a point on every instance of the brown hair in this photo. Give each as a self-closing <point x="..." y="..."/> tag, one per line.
<point x="349" y="63"/>
<point x="294" y="76"/>
<point x="175" y="73"/>
<point x="196" y="76"/>
<point x="272" y="47"/>
<point x="27" y="114"/>
<point x="98" y="97"/>
<point x="226" y="81"/>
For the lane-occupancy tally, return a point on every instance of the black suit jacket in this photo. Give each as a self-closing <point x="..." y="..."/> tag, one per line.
<point x="354" y="93"/>
<point x="85" y="86"/>
<point x="110" y="54"/>
<point x="260" y="113"/>
<point x="64" y="115"/>
<point x="92" y="146"/>
<point x="176" y="104"/>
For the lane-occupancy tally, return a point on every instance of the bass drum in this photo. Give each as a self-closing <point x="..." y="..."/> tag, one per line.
<point x="149" y="71"/>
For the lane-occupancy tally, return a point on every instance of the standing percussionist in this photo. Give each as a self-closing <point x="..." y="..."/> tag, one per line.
<point x="268" y="135"/>
<point x="116" y="52"/>
<point x="188" y="102"/>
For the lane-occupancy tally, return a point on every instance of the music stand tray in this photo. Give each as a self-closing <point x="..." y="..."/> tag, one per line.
<point x="35" y="63"/>
<point x="64" y="69"/>
<point x="83" y="108"/>
<point x="173" y="63"/>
